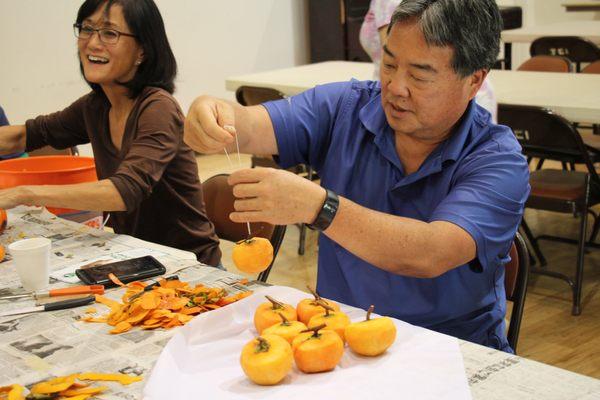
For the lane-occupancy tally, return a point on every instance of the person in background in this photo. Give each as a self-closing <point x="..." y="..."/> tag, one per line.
<point x="3" y="119"/>
<point x="373" y="34"/>
<point x="4" y="122"/>
<point x="421" y="192"/>
<point x="148" y="177"/>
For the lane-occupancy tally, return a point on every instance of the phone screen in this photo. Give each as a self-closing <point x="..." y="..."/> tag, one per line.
<point x="126" y="270"/>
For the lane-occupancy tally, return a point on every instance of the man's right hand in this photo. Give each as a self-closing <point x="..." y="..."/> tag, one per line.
<point x="210" y="125"/>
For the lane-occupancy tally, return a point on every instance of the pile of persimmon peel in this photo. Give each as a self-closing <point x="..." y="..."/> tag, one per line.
<point x="171" y="303"/>
<point x="73" y="387"/>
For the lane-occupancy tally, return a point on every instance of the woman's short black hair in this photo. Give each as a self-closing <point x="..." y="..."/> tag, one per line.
<point x="158" y="67"/>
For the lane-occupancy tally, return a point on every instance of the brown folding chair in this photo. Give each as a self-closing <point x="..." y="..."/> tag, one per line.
<point x="544" y="134"/>
<point x="578" y="50"/>
<point x="593" y="68"/>
<point x="253" y="95"/>
<point x="218" y="199"/>
<point x="546" y="64"/>
<point x="516" y="275"/>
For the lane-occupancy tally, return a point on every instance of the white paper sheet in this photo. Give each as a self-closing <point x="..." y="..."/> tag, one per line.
<point x="202" y="361"/>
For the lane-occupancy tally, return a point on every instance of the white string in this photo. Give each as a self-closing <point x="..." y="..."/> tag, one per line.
<point x="105" y="221"/>
<point x="237" y="145"/>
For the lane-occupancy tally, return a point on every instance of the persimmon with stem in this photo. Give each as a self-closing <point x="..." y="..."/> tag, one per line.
<point x="308" y="308"/>
<point x="371" y="337"/>
<point x="334" y="320"/>
<point x="267" y="314"/>
<point x="317" y="349"/>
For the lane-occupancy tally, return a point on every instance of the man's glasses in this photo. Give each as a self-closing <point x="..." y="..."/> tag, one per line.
<point x="107" y="36"/>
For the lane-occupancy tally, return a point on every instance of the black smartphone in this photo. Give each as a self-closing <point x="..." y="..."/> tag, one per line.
<point x="130" y="270"/>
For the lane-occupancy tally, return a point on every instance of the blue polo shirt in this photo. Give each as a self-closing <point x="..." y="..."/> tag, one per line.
<point x="476" y="179"/>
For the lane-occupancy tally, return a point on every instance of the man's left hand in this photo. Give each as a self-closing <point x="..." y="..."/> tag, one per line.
<point x="275" y="196"/>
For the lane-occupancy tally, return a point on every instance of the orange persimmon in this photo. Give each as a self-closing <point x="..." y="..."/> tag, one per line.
<point x="252" y="255"/>
<point x="267" y="359"/>
<point x="371" y="337"/>
<point x="308" y="308"/>
<point x="286" y="329"/>
<point x="317" y="349"/>
<point x="3" y="220"/>
<point x="2" y="253"/>
<point x="267" y="314"/>
<point x="335" y="320"/>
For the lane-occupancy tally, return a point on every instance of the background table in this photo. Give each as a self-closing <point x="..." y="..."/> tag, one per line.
<point x="575" y="96"/>
<point x="37" y="346"/>
<point x="582" y="5"/>
<point x="588" y="29"/>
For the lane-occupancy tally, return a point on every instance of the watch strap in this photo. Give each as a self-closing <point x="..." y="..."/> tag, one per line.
<point x="327" y="212"/>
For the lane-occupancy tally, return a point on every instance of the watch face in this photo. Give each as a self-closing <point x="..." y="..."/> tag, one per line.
<point x="328" y="208"/>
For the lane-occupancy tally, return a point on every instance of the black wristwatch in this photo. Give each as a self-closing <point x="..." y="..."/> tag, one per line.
<point x="327" y="212"/>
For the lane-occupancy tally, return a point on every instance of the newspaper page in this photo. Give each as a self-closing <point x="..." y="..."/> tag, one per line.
<point x="495" y="375"/>
<point x="43" y="345"/>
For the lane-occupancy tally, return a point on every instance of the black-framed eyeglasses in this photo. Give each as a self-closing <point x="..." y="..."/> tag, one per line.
<point x="107" y="36"/>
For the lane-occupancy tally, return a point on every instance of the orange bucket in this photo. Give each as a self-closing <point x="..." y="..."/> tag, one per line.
<point x="47" y="170"/>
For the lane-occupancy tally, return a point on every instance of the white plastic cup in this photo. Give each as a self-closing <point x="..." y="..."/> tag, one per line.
<point x="32" y="261"/>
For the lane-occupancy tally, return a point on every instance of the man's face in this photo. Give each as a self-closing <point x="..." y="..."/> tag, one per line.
<point x="421" y="94"/>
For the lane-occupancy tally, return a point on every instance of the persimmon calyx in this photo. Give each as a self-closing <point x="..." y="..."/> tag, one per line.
<point x="262" y="346"/>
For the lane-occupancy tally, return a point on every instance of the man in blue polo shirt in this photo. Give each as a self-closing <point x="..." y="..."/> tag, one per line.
<point x="421" y="193"/>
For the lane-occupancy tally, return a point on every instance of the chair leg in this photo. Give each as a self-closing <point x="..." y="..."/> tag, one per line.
<point x="577" y="287"/>
<point x="534" y="243"/>
<point x="302" y="243"/>
<point x="540" y="163"/>
<point x="595" y="228"/>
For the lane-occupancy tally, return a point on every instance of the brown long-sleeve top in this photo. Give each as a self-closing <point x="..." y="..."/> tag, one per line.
<point x="155" y="171"/>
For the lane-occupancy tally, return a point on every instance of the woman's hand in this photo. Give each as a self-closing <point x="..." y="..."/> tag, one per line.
<point x="210" y="125"/>
<point x="10" y="198"/>
<point x="275" y="196"/>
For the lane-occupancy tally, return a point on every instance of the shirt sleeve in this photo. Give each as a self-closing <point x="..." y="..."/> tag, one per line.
<point x="488" y="199"/>
<point x="61" y="130"/>
<point x="157" y="141"/>
<point x="303" y="123"/>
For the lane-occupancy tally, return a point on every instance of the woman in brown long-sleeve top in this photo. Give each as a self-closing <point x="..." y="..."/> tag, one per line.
<point x="148" y="177"/>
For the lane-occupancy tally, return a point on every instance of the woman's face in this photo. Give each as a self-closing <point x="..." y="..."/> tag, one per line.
<point x="106" y="63"/>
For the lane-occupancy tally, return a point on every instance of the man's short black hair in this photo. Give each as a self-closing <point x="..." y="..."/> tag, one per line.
<point x="471" y="27"/>
<point x="158" y="67"/>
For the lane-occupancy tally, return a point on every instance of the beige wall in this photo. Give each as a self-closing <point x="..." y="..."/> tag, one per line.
<point x="212" y="39"/>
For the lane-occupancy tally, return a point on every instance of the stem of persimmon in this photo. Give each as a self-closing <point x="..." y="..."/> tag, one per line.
<point x="326" y="306"/>
<point x="369" y="311"/>
<point x="315" y="330"/>
<point x="276" y="304"/>
<point x="284" y="319"/>
<point x="314" y="293"/>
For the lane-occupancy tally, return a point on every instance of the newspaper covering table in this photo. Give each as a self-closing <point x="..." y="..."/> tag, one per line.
<point x="39" y="346"/>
